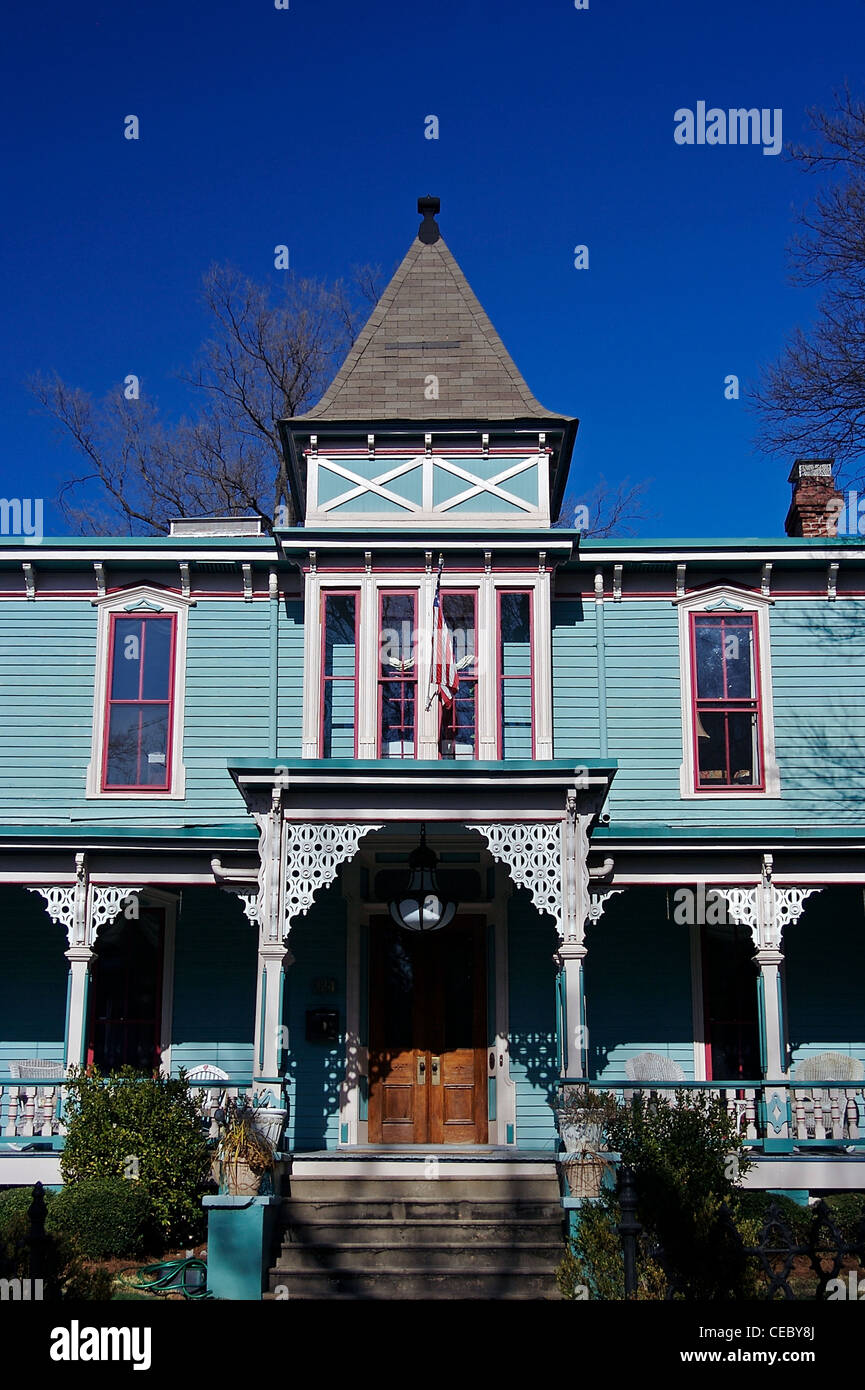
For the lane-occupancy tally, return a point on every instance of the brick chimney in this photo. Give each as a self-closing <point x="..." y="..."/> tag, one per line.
<point x="816" y="502"/>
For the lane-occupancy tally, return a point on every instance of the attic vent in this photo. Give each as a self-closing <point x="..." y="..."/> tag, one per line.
<point x="428" y="346"/>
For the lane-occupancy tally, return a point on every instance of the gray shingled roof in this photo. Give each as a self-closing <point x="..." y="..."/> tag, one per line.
<point x="428" y="322"/>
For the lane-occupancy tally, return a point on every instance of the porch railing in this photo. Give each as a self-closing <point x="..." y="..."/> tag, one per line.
<point x="818" y="1113"/>
<point x="33" y="1108"/>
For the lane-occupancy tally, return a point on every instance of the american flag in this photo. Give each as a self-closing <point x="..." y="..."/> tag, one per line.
<point x="445" y="676"/>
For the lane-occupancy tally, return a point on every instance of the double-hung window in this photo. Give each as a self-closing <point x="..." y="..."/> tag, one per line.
<point x="515" y="674"/>
<point x="458" y="727"/>
<point x="339" y="674"/>
<point x="726" y="695"/>
<point x="397" y="674"/>
<point x="139" y="696"/>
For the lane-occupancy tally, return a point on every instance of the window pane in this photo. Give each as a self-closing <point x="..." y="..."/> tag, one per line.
<point x="338" y="740"/>
<point x="339" y="646"/>
<point x="515" y="635"/>
<point x="397" y="719"/>
<point x="739" y="660"/>
<point x="710" y="659"/>
<point x="397" y="637"/>
<point x="157" y="658"/>
<point x="126" y="662"/>
<point x="716" y="734"/>
<point x="459" y="615"/>
<point x="516" y="719"/>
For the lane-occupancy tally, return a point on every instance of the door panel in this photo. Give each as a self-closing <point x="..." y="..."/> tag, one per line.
<point x="428" y="1040"/>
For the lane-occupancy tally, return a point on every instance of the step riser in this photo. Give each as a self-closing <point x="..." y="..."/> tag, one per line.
<point x="441" y="1189"/>
<point x="422" y="1233"/>
<point x="483" y="1259"/>
<point x="401" y="1286"/>
<point x="408" y="1209"/>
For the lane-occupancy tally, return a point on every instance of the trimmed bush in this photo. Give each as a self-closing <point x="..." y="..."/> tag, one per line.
<point x="127" y="1125"/>
<point x="66" y="1277"/>
<point x="107" y="1218"/>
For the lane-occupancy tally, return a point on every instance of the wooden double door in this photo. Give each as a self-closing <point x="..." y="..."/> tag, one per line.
<point x="428" y="1034"/>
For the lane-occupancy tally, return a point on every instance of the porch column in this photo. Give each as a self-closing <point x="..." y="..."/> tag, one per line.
<point x="766" y="910"/>
<point x="569" y="958"/>
<point x="82" y="908"/>
<point x="296" y="860"/>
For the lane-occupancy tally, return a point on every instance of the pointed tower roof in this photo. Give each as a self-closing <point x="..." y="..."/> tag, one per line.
<point x="428" y="323"/>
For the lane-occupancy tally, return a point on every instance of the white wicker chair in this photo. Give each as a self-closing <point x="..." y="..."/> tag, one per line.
<point x="36" y="1069"/>
<point x="211" y="1096"/>
<point x="652" y="1066"/>
<point x="835" y="1111"/>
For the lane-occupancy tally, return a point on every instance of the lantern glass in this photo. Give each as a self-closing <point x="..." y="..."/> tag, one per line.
<point x="421" y="907"/>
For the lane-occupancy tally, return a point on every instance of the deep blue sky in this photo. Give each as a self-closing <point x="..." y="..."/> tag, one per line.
<point x="261" y="126"/>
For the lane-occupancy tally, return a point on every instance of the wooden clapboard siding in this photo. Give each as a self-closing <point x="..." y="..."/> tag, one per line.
<point x="214" y="983"/>
<point x="824" y="972"/>
<point x="534" y="1067"/>
<point x="290" y="685"/>
<point x="818" y="676"/>
<point x="33" y="972"/>
<point x="638" y="985"/>
<point x="315" y="1069"/>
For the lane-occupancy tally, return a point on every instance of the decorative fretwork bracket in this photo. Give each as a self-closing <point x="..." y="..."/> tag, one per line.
<point x="532" y="852"/>
<point x="83" y="907"/>
<point x="765" y="909"/>
<point x="597" y="903"/>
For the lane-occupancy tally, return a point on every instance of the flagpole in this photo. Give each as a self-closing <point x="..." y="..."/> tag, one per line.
<point x="433" y="632"/>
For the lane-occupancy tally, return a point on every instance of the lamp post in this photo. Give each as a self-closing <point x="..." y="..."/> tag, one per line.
<point x="420" y="906"/>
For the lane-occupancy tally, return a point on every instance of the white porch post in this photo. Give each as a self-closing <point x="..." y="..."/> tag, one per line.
<point x="766" y="910"/>
<point x="296" y="859"/>
<point x="82" y="908"/>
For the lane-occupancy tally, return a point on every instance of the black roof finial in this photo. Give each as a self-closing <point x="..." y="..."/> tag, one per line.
<point x="428" y="232"/>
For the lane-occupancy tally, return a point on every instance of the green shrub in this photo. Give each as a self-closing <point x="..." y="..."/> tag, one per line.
<point x="751" y="1210"/>
<point x="66" y="1276"/>
<point x="593" y="1260"/>
<point x="687" y="1155"/>
<point x="127" y="1124"/>
<point x="107" y="1218"/>
<point x="847" y="1211"/>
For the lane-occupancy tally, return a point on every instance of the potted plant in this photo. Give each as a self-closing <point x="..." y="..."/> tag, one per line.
<point x="245" y="1153"/>
<point x="581" y="1114"/>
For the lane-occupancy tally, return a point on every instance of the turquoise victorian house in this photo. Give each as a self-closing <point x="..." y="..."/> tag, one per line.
<point x="636" y="765"/>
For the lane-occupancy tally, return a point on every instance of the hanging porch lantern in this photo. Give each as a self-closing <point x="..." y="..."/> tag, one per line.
<point x="420" y="907"/>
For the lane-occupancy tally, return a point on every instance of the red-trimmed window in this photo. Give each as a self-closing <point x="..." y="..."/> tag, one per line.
<point x="138" y="724"/>
<point x="514" y="672"/>
<point x="727" y="719"/>
<point x="397" y="674"/>
<point x="458" y="727"/>
<point x="339" y="612"/>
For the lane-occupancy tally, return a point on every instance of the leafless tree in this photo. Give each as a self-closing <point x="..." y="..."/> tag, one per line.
<point x="609" y="510"/>
<point x="811" y="401"/>
<point x="270" y="355"/>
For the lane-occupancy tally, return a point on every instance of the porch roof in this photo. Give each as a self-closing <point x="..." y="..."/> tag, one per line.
<point x="422" y="789"/>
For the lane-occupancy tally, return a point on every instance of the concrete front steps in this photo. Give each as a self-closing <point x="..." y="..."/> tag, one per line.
<point x="375" y="1227"/>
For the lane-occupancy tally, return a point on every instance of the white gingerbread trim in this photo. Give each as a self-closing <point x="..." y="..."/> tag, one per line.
<point x="765" y="909"/>
<point x="312" y="855"/>
<point x="532" y="852"/>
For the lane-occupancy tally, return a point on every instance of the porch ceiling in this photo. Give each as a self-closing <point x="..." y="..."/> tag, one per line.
<point x="410" y="790"/>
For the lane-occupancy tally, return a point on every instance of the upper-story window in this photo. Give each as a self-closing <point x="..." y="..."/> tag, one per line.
<point x="339" y="675"/>
<point x="138" y="723"/>
<point x="368" y="658"/>
<point x="515" y="672"/>
<point x="139" y="694"/>
<point x="727" y="695"/>
<point x="398" y="675"/>
<point x="458" y="722"/>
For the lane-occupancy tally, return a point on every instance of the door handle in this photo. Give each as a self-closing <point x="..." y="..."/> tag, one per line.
<point x="434" y="1065"/>
<point x="421" y="1070"/>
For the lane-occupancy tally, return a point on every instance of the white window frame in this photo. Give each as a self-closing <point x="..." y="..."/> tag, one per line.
<point x="141" y="598"/>
<point x="484" y="586"/>
<point x="723" y="598"/>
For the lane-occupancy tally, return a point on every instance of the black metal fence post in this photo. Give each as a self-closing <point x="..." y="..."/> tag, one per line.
<point x="37" y="1237"/>
<point x="629" y="1227"/>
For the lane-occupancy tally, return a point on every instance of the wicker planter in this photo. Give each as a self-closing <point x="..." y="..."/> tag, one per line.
<point x="241" y="1180"/>
<point x="584" y="1173"/>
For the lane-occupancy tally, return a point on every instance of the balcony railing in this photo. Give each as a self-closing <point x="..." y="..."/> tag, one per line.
<point x="32" y="1109"/>
<point x="818" y="1113"/>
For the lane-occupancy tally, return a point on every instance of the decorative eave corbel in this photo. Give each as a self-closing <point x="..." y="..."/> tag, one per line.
<point x="29" y="579"/>
<point x="680" y="580"/>
<point x="185" y="585"/>
<point x="246" y="567"/>
<point x="99" y="571"/>
<point x="832" y="582"/>
<point x="766" y="579"/>
<point x="617" y="582"/>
